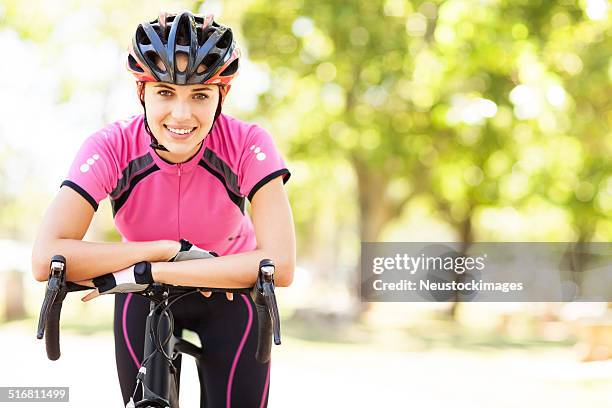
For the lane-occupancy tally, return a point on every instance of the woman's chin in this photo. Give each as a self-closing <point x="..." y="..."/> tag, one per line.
<point x="179" y="151"/>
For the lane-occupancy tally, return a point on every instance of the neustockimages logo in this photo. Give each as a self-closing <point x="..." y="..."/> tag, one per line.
<point x="412" y="264"/>
<point x="485" y="271"/>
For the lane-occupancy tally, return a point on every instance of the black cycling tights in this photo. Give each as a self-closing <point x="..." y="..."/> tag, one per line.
<point x="229" y="374"/>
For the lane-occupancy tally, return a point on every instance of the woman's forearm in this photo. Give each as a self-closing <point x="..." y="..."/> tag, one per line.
<point x="231" y="271"/>
<point x="87" y="260"/>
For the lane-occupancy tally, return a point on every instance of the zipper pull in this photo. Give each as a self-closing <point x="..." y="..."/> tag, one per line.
<point x="179" y="169"/>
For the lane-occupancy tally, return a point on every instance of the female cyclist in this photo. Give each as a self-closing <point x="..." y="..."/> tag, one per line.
<point x="182" y="171"/>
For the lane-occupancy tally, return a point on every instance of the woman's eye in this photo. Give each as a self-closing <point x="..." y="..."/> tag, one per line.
<point x="164" y="93"/>
<point x="200" y="96"/>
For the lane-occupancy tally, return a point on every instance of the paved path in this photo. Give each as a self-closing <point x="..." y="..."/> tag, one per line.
<point x="310" y="374"/>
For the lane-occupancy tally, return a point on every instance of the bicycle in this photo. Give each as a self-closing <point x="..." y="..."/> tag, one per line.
<point x="157" y="374"/>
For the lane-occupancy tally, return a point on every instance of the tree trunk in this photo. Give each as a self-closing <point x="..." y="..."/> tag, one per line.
<point x="466" y="241"/>
<point x="14" y="305"/>
<point x="374" y="213"/>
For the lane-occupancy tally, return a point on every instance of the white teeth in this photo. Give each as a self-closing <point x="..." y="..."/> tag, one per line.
<point x="179" y="131"/>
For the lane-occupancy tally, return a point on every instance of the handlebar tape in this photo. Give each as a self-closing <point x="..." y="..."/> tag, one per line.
<point x="264" y="332"/>
<point x="50" y="295"/>
<point x="52" y="337"/>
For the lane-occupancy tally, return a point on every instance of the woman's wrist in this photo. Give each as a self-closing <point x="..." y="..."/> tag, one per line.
<point x="157" y="271"/>
<point x="166" y="250"/>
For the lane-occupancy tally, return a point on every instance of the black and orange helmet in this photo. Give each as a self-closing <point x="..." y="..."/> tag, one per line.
<point x="212" y="54"/>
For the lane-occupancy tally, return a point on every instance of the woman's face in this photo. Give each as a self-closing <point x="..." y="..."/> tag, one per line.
<point x="180" y="116"/>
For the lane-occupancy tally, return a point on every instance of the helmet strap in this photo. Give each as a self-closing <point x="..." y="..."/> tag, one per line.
<point x="154" y="143"/>
<point x="219" y="104"/>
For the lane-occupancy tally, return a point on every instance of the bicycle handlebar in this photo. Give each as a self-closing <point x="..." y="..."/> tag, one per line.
<point x="262" y="293"/>
<point x="267" y="310"/>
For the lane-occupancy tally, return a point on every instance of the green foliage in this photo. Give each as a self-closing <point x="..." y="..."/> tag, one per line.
<point x="479" y="109"/>
<point x="487" y="105"/>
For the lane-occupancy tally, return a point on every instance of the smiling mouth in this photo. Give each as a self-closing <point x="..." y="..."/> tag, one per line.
<point x="180" y="131"/>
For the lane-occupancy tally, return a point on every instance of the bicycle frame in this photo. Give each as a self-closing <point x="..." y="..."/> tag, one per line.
<point x="158" y="388"/>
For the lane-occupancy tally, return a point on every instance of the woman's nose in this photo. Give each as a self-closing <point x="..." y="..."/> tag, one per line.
<point x="181" y="111"/>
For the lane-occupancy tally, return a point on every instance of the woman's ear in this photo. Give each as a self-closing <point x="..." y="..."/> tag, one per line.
<point x="140" y="89"/>
<point x="223" y="90"/>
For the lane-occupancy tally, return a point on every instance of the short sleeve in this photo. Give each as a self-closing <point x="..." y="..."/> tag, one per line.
<point x="94" y="170"/>
<point x="260" y="163"/>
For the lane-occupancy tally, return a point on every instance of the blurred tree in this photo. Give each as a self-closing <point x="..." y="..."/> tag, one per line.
<point x="498" y="114"/>
<point x="14" y="307"/>
<point x="52" y="33"/>
<point x="484" y="109"/>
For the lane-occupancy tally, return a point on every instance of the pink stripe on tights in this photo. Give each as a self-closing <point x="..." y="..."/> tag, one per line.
<point x="228" y="395"/>
<point x="265" y="388"/>
<point x="125" y="333"/>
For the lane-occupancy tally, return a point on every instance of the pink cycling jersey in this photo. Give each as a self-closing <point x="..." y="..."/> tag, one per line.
<point x="201" y="200"/>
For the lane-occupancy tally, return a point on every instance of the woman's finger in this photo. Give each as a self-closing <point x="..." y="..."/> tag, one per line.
<point x="87" y="282"/>
<point x="91" y="295"/>
<point x="206" y="294"/>
<point x="230" y="296"/>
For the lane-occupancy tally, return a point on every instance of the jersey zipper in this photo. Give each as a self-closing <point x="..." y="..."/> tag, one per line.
<point x="179" y="165"/>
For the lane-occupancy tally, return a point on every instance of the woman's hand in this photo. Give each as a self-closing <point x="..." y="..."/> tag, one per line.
<point x="188" y="251"/>
<point x="176" y="251"/>
<point x="86" y="282"/>
<point x="172" y="248"/>
<point x="92" y="294"/>
<point x="132" y="279"/>
<point x="228" y="295"/>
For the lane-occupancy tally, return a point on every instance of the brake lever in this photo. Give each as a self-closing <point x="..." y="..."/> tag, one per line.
<point x="267" y="311"/>
<point x="270" y="299"/>
<point x="55" y="283"/>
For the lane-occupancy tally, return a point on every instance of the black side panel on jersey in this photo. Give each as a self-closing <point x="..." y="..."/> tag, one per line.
<point x="127" y="175"/>
<point x="218" y="168"/>
<point x="118" y="202"/>
<point x="214" y="161"/>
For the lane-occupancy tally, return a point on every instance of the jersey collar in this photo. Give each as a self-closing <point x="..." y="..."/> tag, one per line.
<point x="174" y="168"/>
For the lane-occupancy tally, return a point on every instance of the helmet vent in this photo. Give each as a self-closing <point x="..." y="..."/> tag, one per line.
<point x="141" y="37"/>
<point x="210" y="60"/>
<point x="225" y="40"/>
<point x="204" y="35"/>
<point x="200" y="37"/>
<point x="183" y="35"/>
<point x="134" y="65"/>
<point x="159" y="30"/>
<point x="182" y="67"/>
<point x="155" y="60"/>
<point x="231" y="68"/>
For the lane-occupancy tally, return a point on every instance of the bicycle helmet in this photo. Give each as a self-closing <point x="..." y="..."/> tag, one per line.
<point x="212" y="54"/>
